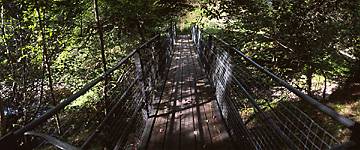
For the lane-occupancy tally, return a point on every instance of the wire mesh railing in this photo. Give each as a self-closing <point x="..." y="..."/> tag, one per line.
<point x="85" y="121"/>
<point x="261" y="110"/>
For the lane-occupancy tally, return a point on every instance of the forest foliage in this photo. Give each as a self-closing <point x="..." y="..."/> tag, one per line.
<point x="299" y="40"/>
<point x="51" y="48"/>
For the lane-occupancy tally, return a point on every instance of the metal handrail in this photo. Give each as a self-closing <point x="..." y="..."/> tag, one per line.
<point x="327" y="110"/>
<point x="36" y="122"/>
<point x="57" y="143"/>
<point x="347" y="122"/>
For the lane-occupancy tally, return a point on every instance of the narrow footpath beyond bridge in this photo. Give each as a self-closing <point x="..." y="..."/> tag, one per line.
<point x="187" y="116"/>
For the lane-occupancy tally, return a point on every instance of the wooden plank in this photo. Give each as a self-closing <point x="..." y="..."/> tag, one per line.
<point x="190" y="124"/>
<point x="159" y="132"/>
<point x="215" y="127"/>
<point x="160" y="123"/>
<point x="202" y="118"/>
<point x="191" y="120"/>
<point x="183" y="128"/>
<point x="195" y="111"/>
<point x="204" y="95"/>
<point x="172" y="100"/>
<point x="187" y="130"/>
<point x="172" y="137"/>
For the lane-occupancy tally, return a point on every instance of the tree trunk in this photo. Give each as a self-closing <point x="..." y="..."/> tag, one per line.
<point x="309" y="74"/>
<point x="24" y="62"/>
<point x="141" y="31"/>
<point x="2" y="119"/>
<point x="47" y="65"/>
<point x="81" y="25"/>
<point x="324" y="91"/>
<point x="42" y="61"/>
<point x="102" y="48"/>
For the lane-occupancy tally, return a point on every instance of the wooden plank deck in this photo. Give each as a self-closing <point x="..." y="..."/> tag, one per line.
<point x="187" y="117"/>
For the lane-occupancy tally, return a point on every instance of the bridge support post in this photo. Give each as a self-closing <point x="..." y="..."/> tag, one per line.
<point x="140" y="76"/>
<point x="162" y="56"/>
<point x="158" y="54"/>
<point x="206" y="52"/>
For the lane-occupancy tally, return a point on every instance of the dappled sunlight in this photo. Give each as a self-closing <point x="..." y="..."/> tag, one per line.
<point x="187" y="111"/>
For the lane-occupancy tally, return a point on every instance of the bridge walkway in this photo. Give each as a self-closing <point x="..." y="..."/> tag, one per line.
<point x="187" y="115"/>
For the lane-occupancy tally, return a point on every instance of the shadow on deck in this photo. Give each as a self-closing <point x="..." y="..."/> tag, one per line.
<point x="187" y="116"/>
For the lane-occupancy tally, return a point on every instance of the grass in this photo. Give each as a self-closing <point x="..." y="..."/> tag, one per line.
<point x="350" y="109"/>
